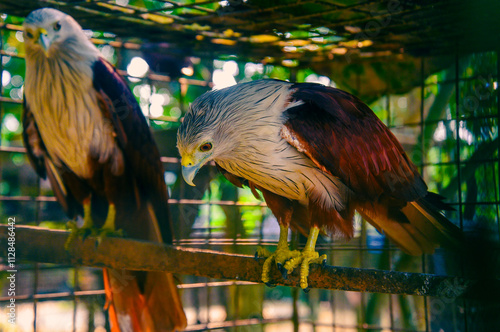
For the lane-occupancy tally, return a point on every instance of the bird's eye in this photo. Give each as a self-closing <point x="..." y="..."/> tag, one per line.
<point x="57" y="26"/>
<point x="29" y="34"/>
<point x="206" y="147"/>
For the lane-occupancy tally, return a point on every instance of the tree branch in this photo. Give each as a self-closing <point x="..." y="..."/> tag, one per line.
<point x="47" y="246"/>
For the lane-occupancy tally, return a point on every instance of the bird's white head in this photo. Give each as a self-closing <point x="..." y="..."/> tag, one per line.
<point x="47" y="30"/>
<point x="198" y="141"/>
<point x="229" y="125"/>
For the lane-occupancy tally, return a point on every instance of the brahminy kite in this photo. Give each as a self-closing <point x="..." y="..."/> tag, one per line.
<point x="317" y="154"/>
<point x="84" y="130"/>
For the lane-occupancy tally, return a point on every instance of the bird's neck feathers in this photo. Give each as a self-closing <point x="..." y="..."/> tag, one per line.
<point x="66" y="66"/>
<point x="60" y="93"/>
<point x="72" y="56"/>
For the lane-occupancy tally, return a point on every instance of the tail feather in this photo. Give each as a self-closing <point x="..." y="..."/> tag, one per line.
<point x="144" y="304"/>
<point x="109" y="306"/>
<point x="126" y="305"/>
<point x="418" y="228"/>
<point x="166" y="311"/>
<point x="405" y="237"/>
<point x="425" y="216"/>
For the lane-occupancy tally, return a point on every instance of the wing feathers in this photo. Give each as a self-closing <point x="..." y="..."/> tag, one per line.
<point x="35" y="149"/>
<point x="118" y="104"/>
<point x="151" y="301"/>
<point x="343" y="136"/>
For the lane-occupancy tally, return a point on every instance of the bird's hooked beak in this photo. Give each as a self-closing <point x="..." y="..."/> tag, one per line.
<point x="44" y="40"/>
<point x="190" y="168"/>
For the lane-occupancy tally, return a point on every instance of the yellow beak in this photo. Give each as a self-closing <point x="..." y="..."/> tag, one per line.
<point x="43" y="39"/>
<point x="191" y="166"/>
<point x="189" y="169"/>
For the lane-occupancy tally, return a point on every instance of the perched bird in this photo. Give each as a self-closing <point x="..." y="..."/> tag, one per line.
<point x="316" y="154"/>
<point x="84" y="130"/>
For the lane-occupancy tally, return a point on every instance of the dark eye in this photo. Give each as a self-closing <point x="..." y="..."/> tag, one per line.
<point x="206" y="147"/>
<point x="57" y="26"/>
<point x="29" y="34"/>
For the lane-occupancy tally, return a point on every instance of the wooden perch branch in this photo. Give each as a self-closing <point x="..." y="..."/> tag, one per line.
<point x="42" y="245"/>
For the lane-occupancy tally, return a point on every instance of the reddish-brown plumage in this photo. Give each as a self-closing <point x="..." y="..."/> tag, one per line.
<point x="344" y="138"/>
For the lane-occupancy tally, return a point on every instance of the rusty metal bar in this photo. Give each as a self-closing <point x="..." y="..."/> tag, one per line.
<point x="43" y="245"/>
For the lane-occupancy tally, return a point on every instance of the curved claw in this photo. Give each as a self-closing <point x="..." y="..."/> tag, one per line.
<point x="262" y="253"/>
<point x="270" y="285"/>
<point x="71" y="225"/>
<point x="307" y="289"/>
<point x="86" y="233"/>
<point x="284" y="272"/>
<point x="306" y="258"/>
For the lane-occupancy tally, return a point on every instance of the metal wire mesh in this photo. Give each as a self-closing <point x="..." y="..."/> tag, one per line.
<point x="461" y="138"/>
<point x="307" y="31"/>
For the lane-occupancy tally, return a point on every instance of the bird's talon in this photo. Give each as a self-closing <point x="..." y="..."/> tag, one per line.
<point x="307" y="289"/>
<point x="262" y="253"/>
<point x="86" y="233"/>
<point x="303" y="262"/>
<point x="284" y="274"/>
<point x="281" y="257"/>
<point x="270" y="285"/>
<point x="71" y="225"/>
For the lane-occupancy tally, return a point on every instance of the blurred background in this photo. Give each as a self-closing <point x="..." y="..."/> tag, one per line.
<point x="428" y="69"/>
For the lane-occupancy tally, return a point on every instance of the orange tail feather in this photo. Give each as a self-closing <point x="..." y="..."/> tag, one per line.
<point x="158" y="308"/>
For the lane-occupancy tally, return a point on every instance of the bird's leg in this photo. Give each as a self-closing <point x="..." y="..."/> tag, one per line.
<point x="308" y="256"/>
<point x="109" y="224"/>
<point x="280" y="256"/>
<point x="87" y="227"/>
<point x="108" y="229"/>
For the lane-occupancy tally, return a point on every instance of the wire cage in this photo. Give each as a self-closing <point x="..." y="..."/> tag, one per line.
<point x="429" y="70"/>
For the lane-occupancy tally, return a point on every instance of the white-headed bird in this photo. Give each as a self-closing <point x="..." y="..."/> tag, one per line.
<point x="84" y="130"/>
<point x="316" y="154"/>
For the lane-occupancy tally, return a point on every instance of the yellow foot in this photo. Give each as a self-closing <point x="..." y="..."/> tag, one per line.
<point x="262" y="253"/>
<point x="304" y="259"/>
<point x="107" y="232"/>
<point x="108" y="229"/>
<point x="280" y="256"/>
<point x="84" y="231"/>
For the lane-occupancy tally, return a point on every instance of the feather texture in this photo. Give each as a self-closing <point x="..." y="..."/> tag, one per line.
<point x="317" y="154"/>
<point x="85" y="131"/>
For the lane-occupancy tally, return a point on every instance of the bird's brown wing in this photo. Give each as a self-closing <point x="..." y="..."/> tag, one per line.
<point x="35" y="149"/>
<point x="134" y="137"/>
<point x="343" y="136"/>
<point x="153" y="303"/>
<point x="44" y="166"/>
